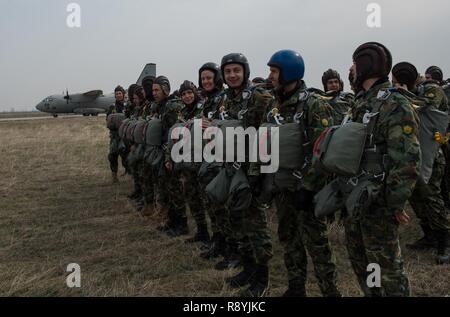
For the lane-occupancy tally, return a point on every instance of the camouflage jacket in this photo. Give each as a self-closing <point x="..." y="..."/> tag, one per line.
<point x="129" y="109"/>
<point x="211" y="103"/>
<point x="317" y="115"/>
<point x="117" y="107"/>
<point x="248" y="106"/>
<point x="434" y="93"/>
<point x="194" y="111"/>
<point x="168" y="112"/>
<point x="396" y="134"/>
<point x="341" y="103"/>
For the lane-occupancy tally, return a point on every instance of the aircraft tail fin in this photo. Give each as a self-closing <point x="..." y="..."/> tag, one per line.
<point x="149" y="70"/>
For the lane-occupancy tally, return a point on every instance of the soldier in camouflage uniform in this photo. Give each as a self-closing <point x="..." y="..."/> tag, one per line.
<point x="169" y="187"/>
<point x="114" y="145"/>
<point x="435" y="73"/>
<point x="340" y="101"/>
<point x="141" y="194"/>
<point x="222" y="242"/>
<point x="299" y="230"/>
<point x="426" y="199"/>
<point x="392" y="162"/>
<point x="192" y="108"/>
<point x="247" y="103"/>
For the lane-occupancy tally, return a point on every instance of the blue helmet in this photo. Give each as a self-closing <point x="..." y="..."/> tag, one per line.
<point x="291" y="65"/>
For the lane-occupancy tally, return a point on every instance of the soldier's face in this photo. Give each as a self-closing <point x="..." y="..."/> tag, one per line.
<point x="333" y="84"/>
<point x="158" y="93"/>
<point x="428" y="77"/>
<point x="207" y="78"/>
<point x="136" y="100"/>
<point x="274" y="76"/>
<point x="188" y="97"/>
<point x="234" y="75"/>
<point x="119" y="96"/>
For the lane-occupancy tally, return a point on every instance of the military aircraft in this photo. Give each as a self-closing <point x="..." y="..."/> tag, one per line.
<point x="88" y="103"/>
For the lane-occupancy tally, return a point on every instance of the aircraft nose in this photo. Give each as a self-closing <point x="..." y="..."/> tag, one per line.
<point x="39" y="106"/>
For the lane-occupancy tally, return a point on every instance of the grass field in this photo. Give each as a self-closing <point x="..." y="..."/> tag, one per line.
<point x="23" y="114"/>
<point x="57" y="206"/>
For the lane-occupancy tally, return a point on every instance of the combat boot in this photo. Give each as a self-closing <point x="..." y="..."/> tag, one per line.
<point x="443" y="252"/>
<point x="135" y="194"/>
<point x="180" y="228"/>
<point x="114" y="178"/>
<point x="202" y="235"/>
<point x="217" y="247"/>
<point x="231" y="260"/>
<point x="296" y="289"/>
<point x="246" y="276"/>
<point x="428" y="241"/>
<point x="170" y="223"/>
<point x="260" y="282"/>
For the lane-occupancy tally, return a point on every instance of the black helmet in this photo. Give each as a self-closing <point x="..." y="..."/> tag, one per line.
<point x="435" y="72"/>
<point x="406" y="74"/>
<point x="331" y="74"/>
<point x="147" y="84"/>
<point x="236" y="58"/>
<point x="164" y="83"/>
<point x="187" y="85"/>
<point x="218" y="80"/>
<point x="131" y="91"/>
<point x="372" y="59"/>
<point x="119" y="88"/>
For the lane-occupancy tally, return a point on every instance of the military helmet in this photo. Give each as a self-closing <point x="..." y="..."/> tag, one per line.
<point x="119" y="88"/>
<point x="140" y="92"/>
<point x="187" y="85"/>
<point x="218" y="80"/>
<point x="435" y="72"/>
<point x="331" y="74"/>
<point x="291" y="65"/>
<point x="164" y="83"/>
<point x="406" y="74"/>
<point x="236" y="58"/>
<point x="372" y="59"/>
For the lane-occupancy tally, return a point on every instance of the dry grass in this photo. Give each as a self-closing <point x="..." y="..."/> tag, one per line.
<point x="57" y="207"/>
<point x="23" y="114"/>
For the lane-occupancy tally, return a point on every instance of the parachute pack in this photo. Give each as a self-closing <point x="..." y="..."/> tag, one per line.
<point x="114" y="121"/>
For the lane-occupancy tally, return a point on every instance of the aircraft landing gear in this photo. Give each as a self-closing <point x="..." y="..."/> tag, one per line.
<point x="55" y="116"/>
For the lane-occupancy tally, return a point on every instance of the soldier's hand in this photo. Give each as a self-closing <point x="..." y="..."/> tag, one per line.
<point x="169" y="166"/>
<point x="205" y="123"/>
<point x="402" y="217"/>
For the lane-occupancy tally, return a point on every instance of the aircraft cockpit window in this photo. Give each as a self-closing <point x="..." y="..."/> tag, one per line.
<point x="50" y="99"/>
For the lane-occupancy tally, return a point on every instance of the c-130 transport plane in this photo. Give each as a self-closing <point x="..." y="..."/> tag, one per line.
<point x="88" y="103"/>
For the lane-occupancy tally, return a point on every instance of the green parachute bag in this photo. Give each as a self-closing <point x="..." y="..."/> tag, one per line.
<point x="329" y="200"/>
<point x="219" y="188"/>
<point x="129" y="133"/>
<point x="123" y="128"/>
<point x="207" y="172"/>
<point x="114" y="121"/>
<point x="290" y="147"/>
<point x="153" y="133"/>
<point x="138" y="132"/>
<point x="339" y="149"/>
<point x="431" y="121"/>
<point x="240" y="194"/>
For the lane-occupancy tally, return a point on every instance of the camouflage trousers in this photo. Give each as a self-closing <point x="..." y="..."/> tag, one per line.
<point x="249" y="228"/>
<point x="195" y="197"/>
<point x="300" y="231"/>
<point x="169" y="194"/>
<point x="147" y="184"/>
<point x="373" y="237"/>
<point x="427" y="201"/>
<point x="114" y="153"/>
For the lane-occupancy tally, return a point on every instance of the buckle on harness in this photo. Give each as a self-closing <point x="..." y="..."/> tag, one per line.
<point x="297" y="174"/>
<point x="237" y="166"/>
<point x="382" y="176"/>
<point x="353" y="181"/>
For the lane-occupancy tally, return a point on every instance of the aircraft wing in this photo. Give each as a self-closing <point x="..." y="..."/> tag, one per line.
<point x="93" y="93"/>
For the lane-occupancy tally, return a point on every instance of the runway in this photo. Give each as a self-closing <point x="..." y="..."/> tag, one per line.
<point x="43" y="118"/>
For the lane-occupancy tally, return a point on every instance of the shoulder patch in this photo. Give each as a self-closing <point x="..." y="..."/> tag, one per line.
<point x="407" y="129"/>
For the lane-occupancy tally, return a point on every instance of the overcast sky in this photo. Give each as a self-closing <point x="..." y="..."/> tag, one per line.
<point x="40" y="55"/>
